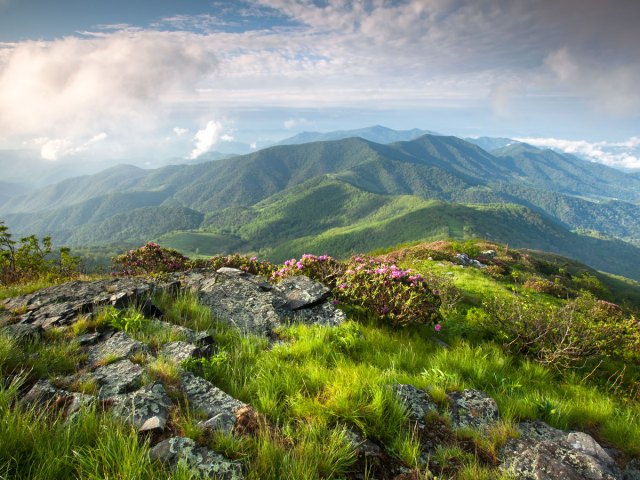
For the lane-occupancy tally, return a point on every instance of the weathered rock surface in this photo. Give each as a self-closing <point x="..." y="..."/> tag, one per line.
<point x="474" y="409"/>
<point x="465" y="260"/>
<point x="23" y="332"/>
<point x="257" y="307"/>
<point x="43" y="391"/>
<point x="60" y="305"/>
<point x="119" y="345"/>
<point x="220" y="408"/>
<point x="545" y="453"/>
<point x="180" y="351"/>
<point x="205" y="461"/>
<point x="119" y="377"/>
<point x="418" y="402"/>
<point x="147" y="409"/>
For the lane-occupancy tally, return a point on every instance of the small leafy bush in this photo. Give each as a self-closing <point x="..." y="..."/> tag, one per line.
<point x="322" y="268"/>
<point x="128" y="320"/>
<point x="543" y="285"/>
<point x="206" y="367"/>
<point x="583" y="329"/>
<point x="241" y="262"/>
<point x="31" y="259"/>
<point x="148" y="259"/>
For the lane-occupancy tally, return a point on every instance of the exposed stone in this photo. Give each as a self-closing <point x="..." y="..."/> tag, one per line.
<point x="147" y="409"/>
<point x="44" y="392"/>
<point x="205" y="461"/>
<point x="418" y="402"/>
<point x="180" y="351"/>
<point x="119" y="377"/>
<point x="632" y="471"/>
<point x="23" y="332"/>
<point x="219" y="407"/>
<point x="324" y="314"/>
<point x="186" y="334"/>
<point x="88" y="338"/>
<point x="464" y="260"/>
<point x="300" y="291"/>
<point x="474" y="409"/>
<point x="60" y="305"/>
<point x="119" y="345"/>
<point x="543" y="452"/>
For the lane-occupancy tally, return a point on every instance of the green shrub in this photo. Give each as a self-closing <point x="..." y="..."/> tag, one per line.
<point x="583" y="329"/>
<point x="241" y="262"/>
<point x="31" y="259"/>
<point x="128" y="320"/>
<point x="148" y="259"/>
<point x="550" y="287"/>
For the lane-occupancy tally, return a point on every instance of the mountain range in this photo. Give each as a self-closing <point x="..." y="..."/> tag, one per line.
<point x="348" y="195"/>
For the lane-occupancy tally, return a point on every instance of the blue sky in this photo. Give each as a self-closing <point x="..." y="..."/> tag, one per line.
<point x="88" y="79"/>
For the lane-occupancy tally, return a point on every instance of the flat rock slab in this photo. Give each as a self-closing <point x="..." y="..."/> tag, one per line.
<point x="300" y="291"/>
<point x="208" y="463"/>
<point x="180" y="351"/>
<point x="23" y="332"/>
<point x="146" y="409"/>
<point x="418" y="402"/>
<point x="257" y="307"/>
<point x="119" y="345"/>
<point x="119" y="377"/>
<point x="473" y="409"/>
<point x="545" y="453"/>
<point x="219" y="407"/>
<point x="60" y="305"/>
<point x="43" y="391"/>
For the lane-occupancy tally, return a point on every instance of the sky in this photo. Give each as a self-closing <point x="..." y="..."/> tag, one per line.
<point x="90" y="80"/>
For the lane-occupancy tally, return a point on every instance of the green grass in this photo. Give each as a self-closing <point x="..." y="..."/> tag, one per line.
<point x="309" y="390"/>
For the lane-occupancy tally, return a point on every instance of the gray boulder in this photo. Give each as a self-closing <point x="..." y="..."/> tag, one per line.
<point x="219" y="407"/>
<point x="119" y="345"/>
<point x="147" y="409"/>
<point x="180" y="351"/>
<point x="23" y="332"/>
<point x="44" y="392"/>
<point x="473" y="409"/>
<point x="119" y="377"/>
<point x="206" y="462"/>
<point x="418" y="402"/>
<point x="545" y="453"/>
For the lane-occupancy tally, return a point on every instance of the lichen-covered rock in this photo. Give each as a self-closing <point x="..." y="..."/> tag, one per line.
<point x="119" y="377"/>
<point x="254" y="306"/>
<point x="60" y="305"/>
<point x="219" y="407"/>
<point x="473" y="409"/>
<point x="632" y="470"/>
<point x="119" y="345"/>
<point x="205" y="461"/>
<point x="23" y="332"/>
<point x="43" y="391"/>
<point x="300" y="291"/>
<point x="180" y="351"/>
<point x="418" y="402"/>
<point x="543" y="452"/>
<point x="147" y="409"/>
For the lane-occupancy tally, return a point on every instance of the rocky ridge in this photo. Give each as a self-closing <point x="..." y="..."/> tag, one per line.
<point x="117" y="364"/>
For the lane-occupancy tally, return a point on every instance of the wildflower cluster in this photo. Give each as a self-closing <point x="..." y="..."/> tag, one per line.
<point x="150" y="258"/>
<point x="247" y="264"/>
<point x="398" y="296"/>
<point x="322" y="268"/>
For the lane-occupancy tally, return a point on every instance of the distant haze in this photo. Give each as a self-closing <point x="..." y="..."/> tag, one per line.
<point x="151" y="81"/>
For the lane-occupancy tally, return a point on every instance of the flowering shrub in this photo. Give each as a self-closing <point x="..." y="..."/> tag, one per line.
<point x="398" y="296"/>
<point x="150" y="258"/>
<point x="322" y="268"/>
<point x="248" y="264"/>
<point x="550" y="287"/>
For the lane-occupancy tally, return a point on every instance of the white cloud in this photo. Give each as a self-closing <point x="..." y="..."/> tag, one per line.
<point x="294" y="122"/>
<point x="56" y="148"/>
<point x="227" y="138"/>
<point x="120" y="80"/>
<point x="206" y="138"/>
<point x="179" y="131"/>
<point x="624" y="154"/>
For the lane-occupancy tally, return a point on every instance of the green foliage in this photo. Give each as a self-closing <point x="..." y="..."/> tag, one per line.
<point x="206" y="367"/>
<point x="148" y="259"/>
<point x="585" y="329"/>
<point x="247" y="264"/>
<point x="129" y="320"/>
<point x="31" y="259"/>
